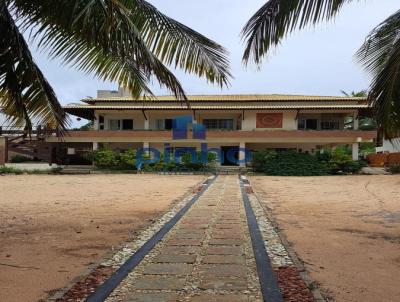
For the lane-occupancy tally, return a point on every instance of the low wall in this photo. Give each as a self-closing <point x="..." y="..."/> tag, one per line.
<point x="384" y="159"/>
<point x="3" y="150"/>
<point x="31" y="166"/>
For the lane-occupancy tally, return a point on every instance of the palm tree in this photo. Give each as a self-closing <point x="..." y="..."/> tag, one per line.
<point x="380" y="53"/>
<point x="125" y="41"/>
<point x="356" y="94"/>
<point x="365" y="122"/>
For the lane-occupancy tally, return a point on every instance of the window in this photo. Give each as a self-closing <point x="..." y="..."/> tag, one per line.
<point x="101" y="122"/>
<point x="127" y="124"/>
<point x="308" y="124"/>
<point x="164" y="124"/>
<point x="226" y="124"/>
<point x="124" y="124"/>
<point x="332" y="125"/>
<point x="160" y="125"/>
<point x="168" y="124"/>
<point x="115" y="124"/>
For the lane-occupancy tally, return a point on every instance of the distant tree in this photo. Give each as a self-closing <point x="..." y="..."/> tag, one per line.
<point x="359" y="94"/>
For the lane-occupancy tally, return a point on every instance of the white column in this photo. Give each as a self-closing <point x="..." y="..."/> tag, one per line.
<point x="96" y="122"/>
<point x="147" y="124"/>
<point x="355" y="121"/>
<point x="242" y="154"/>
<point x="95" y="146"/>
<point x="355" y="151"/>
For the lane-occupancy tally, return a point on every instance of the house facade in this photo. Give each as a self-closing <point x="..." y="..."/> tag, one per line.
<point x="255" y="122"/>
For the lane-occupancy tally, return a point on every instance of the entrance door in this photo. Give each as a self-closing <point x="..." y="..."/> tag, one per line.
<point x="225" y="153"/>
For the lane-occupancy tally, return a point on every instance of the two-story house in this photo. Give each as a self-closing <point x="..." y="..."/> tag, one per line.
<point x="255" y="122"/>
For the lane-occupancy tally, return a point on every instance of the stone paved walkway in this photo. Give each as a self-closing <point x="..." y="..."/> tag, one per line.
<point x="207" y="256"/>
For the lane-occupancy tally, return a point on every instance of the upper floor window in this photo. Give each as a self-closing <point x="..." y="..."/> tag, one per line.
<point x="164" y="124"/>
<point x="226" y="124"/>
<point x="121" y="124"/>
<point x="308" y="124"/>
<point x="331" y="125"/>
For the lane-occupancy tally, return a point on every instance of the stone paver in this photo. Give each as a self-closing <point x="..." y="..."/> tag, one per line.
<point x="207" y="256"/>
<point x="159" y="283"/>
<point x="167" y="269"/>
<point x="224" y="259"/>
<point x="151" y="297"/>
<point x="219" y="298"/>
<point x="224" y="250"/>
<point x="175" y="258"/>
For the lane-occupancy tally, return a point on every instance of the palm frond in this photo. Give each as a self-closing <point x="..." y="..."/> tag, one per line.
<point x="108" y="38"/>
<point x="178" y="45"/>
<point x="380" y="55"/>
<point x="25" y="94"/>
<point x="278" y="18"/>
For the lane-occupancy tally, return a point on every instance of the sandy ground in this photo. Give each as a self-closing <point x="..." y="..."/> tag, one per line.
<point x="53" y="227"/>
<point x="345" y="229"/>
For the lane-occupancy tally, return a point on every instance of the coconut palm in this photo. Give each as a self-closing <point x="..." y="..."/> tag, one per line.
<point x="355" y="94"/>
<point x="380" y="53"/>
<point x="124" y="41"/>
<point x="365" y="122"/>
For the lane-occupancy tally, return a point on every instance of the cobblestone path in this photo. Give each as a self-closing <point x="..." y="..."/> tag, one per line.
<point x="207" y="256"/>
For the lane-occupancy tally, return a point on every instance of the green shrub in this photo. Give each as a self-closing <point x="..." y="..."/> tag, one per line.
<point x="395" y="169"/>
<point x="16" y="159"/>
<point x="7" y="170"/>
<point x="188" y="163"/>
<point x="259" y="159"/>
<point x="291" y="163"/>
<point x="105" y="158"/>
<point x="341" y="162"/>
<point x="128" y="159"/>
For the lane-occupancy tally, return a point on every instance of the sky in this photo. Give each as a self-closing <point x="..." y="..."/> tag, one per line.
<point x="316" y="61"/>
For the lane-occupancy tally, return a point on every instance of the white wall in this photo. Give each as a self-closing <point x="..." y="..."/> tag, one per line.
<point x="391" y="146"/>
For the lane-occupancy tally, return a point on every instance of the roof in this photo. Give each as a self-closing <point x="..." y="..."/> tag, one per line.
<point x="227" y="98"/>
<point x="219" y="102"/>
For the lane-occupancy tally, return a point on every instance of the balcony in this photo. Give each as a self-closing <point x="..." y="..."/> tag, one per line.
<point x="215" y="136"/>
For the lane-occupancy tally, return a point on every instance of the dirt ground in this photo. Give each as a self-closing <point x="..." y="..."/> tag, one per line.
<point x="53" y="227"/>
<point x="346" y="229"/>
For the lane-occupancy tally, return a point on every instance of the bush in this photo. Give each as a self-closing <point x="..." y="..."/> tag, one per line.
<point x="16" y="159"/>
<point x="186" y="163"/>
<point x="189" y="164"/>
<point x="105" y="158"/>
<point x="128" y="159"/>
<point x="395" y="169"/>
<point x="260" y="158"/>
<point x="341" y="162"/>
<point x="291" y="163"/>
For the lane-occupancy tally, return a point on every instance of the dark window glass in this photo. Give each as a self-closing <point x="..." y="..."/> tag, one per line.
<point x="101" y="119"/>
<point x="312" y="124"/>
<point x="168" y="124"/>
<point x="127" y="124"/>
